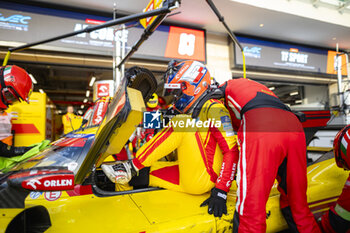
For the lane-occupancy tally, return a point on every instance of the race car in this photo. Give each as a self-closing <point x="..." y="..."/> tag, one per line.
<point x="63" y="189"/>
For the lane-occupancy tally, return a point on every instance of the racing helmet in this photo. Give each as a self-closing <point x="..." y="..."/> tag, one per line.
<point x="153" y="101"/>
<point x="341" y="148"/>
<point x="16" y="85"/>
<point x="187" y="81"/>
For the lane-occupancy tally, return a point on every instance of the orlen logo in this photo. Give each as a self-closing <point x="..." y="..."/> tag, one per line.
<point x="50" y="182"/>
<point x="99" y="114"/>
<point x="102" y="90"/>
<point x="15" y="19"/>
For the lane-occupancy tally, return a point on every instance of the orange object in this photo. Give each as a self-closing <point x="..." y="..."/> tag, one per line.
<point x="184" y="43"/>
<point x="331" y="65"/>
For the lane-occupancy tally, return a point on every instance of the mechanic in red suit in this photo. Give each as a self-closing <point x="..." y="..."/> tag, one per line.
<point x="273" y="146"/>
<point x="337" y="219"/>
<point x="15" y="86"/>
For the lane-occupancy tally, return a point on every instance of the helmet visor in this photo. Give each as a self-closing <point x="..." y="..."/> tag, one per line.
<point x="173" y="89"/>
<point x="9" y="95"/>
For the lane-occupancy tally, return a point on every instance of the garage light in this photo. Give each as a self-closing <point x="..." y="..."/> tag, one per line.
<point x="82" y="106"/>
<point x="33" y="79"/>
<point x="294" y="93"/>
<point x="59" y="111"/>
<point x="41" y="91"/>
<point x="87" y="93"/>
<point x="92" y="81"/>
<point x="80" y="112"/>
<point x="272" y="88"/>
<point x="85" y="100"/>
<point x="261" y="25"/>
<point x="298" y="101"/>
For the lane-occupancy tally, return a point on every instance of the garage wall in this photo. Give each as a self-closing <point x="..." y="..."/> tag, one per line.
<point x="218" y="59"/>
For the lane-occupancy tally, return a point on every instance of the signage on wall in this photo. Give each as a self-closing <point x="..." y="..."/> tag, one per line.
<point x="185" y="43"/>
<point x="275" y="55"/>
<point x="14" y="22"/>
<point x="45" y="23"/>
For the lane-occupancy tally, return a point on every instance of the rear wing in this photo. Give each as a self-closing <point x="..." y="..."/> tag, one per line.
<point x="315" y="120"/>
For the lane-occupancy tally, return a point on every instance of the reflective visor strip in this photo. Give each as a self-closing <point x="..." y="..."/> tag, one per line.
<point x="242" y="173"/>
<point x="172" y="86"/>
<point x="172" y="89"/>
<point x="342" y="212"/>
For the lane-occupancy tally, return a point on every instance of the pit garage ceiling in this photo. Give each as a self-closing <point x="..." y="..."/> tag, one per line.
<point x="313" y="22"/>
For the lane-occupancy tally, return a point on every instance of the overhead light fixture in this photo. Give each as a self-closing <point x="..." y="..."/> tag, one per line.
<point x="334" y="38"/>
<point x="85" y="100"/>
<point x="33" y="79"/>
<point x="59" y="111"/>
<point x="272" y="88"/>
<point x="82" y="106"/>
<point x="294" y="93"/>
<point x="41" y="91"/>
<point x="80" y="112"/>
<point x="261" y="25"/>
<point x="93" y="78"/>
<point x="87" y="93"/>
<point x="298" y="101"/>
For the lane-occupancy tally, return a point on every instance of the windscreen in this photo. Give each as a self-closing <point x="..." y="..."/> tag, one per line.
<point x="69" y="152"/>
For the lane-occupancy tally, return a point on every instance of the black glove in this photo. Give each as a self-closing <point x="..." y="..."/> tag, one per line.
<point x="216" y="202"/>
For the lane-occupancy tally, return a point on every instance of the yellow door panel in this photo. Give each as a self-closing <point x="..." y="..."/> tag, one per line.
<point x="89" y="213"/>
<point x="174" y="210"/>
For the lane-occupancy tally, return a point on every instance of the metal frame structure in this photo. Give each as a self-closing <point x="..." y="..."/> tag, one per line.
<point x="230" y="33"/>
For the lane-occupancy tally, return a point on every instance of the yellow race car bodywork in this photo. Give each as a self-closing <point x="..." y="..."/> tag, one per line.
<point x="169" y="211"/>
<point x="89" y="208"/>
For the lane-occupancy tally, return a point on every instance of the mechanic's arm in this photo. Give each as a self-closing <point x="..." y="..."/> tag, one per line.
<point x="8" y="151"/>
<point x="162" y="144"/>
<point x="227" y="142"/>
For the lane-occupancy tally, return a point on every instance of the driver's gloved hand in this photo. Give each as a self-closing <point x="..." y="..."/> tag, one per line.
<point x="216" y="202"/>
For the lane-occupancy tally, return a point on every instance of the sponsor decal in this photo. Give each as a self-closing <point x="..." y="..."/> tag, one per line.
<point x="52" y="196"/>
<point x="53" y="182"/>
<point x="198" y="89"/>
<point x="102" y="90"/>
<point x="101" y="110"/>
<point x="35" y="195"/>
<point x="33" y="183"/>
<point x="268" y="214"/>
<point x="15" y="22"/>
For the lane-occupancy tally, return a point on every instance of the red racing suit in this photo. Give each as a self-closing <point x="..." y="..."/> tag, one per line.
<point x="206" y="156"/>
<point x="337" y="219"/>
<point x="273" y="146"/>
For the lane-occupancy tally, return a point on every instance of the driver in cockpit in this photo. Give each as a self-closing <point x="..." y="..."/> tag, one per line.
<point x="207" y="154"/>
